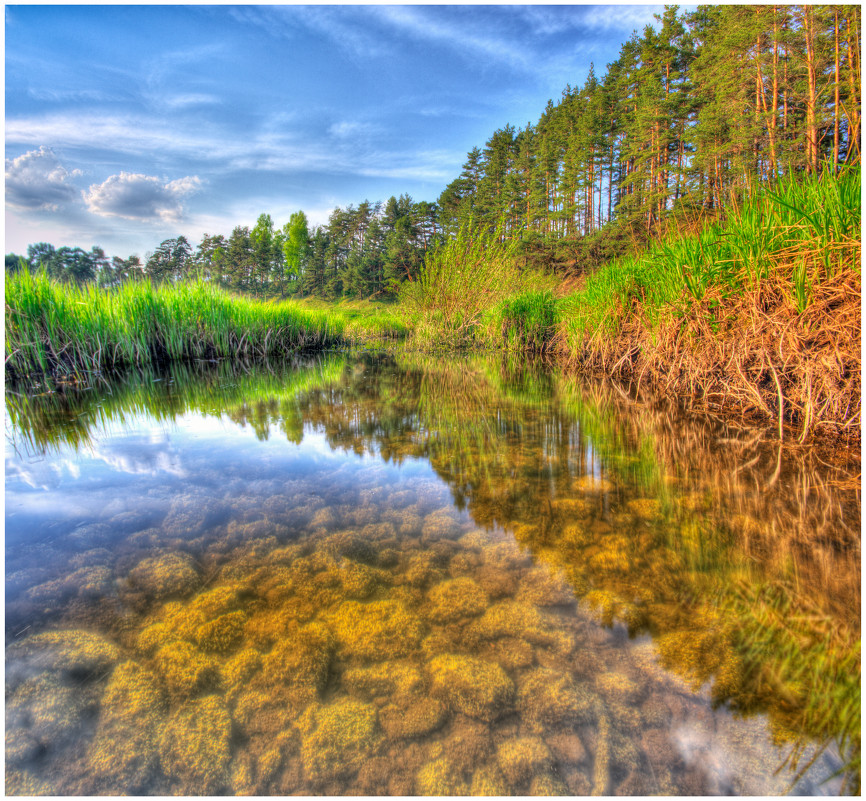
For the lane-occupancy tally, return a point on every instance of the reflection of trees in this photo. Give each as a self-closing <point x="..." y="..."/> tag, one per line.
<point x="740" y="557"/>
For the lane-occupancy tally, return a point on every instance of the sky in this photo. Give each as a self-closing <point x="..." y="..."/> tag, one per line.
<point x="128" y="125"/>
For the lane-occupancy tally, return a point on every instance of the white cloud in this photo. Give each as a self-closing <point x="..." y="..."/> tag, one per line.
<point x="343" y="25"/>
<point x="190" y="99"/>
<point x="344" y="130"/>
<point x="424" y="25"/>
<point x="37" y="180"/>
<point x="134" y="196"/>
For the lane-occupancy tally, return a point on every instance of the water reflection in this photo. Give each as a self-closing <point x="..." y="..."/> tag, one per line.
<point x="401" y="575"/>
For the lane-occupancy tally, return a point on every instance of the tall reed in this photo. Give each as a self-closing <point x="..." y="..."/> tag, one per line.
<point x="461" y="282"/>
<point x="54" y="327"/>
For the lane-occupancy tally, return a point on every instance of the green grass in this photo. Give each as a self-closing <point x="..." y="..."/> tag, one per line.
<point x="53" y="327"/>
<point x="453" y="303"/>
<point x="807" y="230"/>
<point x="365" y="319"/>
<point x="527" y="322"/>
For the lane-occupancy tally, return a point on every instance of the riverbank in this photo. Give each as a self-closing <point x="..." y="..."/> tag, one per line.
<point x="761" y="313"/>
<point x="758" y="313"/>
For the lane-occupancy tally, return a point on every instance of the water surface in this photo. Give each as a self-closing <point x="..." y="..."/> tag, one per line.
<point x="386" y="574"/>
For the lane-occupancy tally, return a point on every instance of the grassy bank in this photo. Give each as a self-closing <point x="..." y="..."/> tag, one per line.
<point x="54" y="329"/>
<point x="762" y="311"/>
<point x="472" y="292"/>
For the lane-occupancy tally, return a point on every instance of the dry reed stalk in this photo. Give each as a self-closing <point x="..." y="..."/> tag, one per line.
<point x="754" y="349"/>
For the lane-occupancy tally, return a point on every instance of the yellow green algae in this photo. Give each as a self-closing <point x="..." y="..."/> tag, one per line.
<point x="336" y="739"/>
<point x="475" y="687"/>
<point x="522" y="758"/>
<point x="123" y="755"/>
<point x="194" y="745"/>
<point x="165" y="576"/>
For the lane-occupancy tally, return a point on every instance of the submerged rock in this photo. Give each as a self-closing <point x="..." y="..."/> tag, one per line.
<point x="237" y="671"/>
<point x="385" y="679"/>
<point x="173" y="574"/>
<point x="522" y="758"/>
<point x="46" y="712"/>
<point x="338" y="738"/>
<point x="222" y="634"/>
<point x="509" y="619"/>
<point x="415" y="716"/>
<point x="302" y="660"/>
<point x="540" y="588"/>
<point x="547" y="784"/>
<point x="194" y="748"/>
<point x="351" y="545"/>
<point x="123" y="756"/>
<point x="75" y="653"/>
<point x="548" y="698"/>
<point x="475" y="687"/>
<point x="376" y="630"/>
<point x="454" y="599"/>
<point x="438" y="777"/>
<point x="185" y="669"/>
<point x="488" y="780"/>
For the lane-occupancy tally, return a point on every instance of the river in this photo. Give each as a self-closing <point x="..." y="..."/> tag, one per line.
<point x="389" y="573"/>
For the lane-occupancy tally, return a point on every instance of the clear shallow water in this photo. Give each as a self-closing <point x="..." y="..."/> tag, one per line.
<point x="395" y="575"/>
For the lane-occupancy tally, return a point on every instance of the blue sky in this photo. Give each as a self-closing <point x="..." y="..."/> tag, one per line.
<point x="127" y="125"/>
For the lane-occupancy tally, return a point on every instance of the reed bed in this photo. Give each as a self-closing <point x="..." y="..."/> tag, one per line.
<point x="57" y="328"/>
<point x="762" y="312"/>
<point x="453" y="303"/>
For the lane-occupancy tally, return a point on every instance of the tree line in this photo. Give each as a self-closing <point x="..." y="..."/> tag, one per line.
<point x="687" y="120"/>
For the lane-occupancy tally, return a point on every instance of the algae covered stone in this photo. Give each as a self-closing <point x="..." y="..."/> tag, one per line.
<point x="172" y="574"/>
<point x="412" y="718"/>
<point x="222" y="634"/>
<point x="522" y="758"/>
<point x="338" y="738"/>
<point x="302" y="660"/>
<point x="541" y="588"/>
<point x="71" y="652"/>
<point x="475" y="687"/>
<point x="488" y="780"/>
<point x="385" y="678"/>
<point x="454" y="599"/>
<point x="438" y="777"/>
<point x="377" y="629"/>
<point x="48" y="710"/>
<point x="508" y="619"/>
<point x="194" y="748"/>
<point x="550" y="698"/>
<point x="185" y="669"/>
<point x="123" y="754"/>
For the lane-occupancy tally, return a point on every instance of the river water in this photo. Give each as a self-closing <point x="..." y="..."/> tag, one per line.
<point x="396" y="574"/>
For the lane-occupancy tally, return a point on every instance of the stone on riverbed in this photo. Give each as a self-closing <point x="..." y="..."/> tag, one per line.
<point x="475" y="687"/>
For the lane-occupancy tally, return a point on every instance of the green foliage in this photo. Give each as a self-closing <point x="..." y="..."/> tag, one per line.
<point x="461" y="281"/>
<point x="528" y="321"/>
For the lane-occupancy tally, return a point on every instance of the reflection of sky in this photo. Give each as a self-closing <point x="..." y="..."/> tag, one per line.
<point x="733" y="756"/>
<point x="144" y="462"/>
